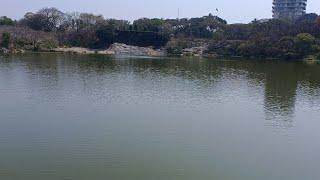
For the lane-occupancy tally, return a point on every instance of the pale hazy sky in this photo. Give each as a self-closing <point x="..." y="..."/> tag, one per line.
<point x="231" y="10"/>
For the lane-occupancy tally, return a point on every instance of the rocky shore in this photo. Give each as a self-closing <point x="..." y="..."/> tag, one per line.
<point x="115" y="49"/>
<point x="5" y="51"/>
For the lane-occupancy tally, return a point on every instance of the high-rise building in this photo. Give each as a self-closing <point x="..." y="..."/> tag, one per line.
<point x="289" y="9"/>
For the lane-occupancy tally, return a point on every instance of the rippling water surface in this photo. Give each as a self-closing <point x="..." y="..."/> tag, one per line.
<point x="68" y="117"/>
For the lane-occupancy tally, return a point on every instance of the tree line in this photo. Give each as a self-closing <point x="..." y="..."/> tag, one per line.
<point x="278" y="38"/>
<point x="94" y="31"/>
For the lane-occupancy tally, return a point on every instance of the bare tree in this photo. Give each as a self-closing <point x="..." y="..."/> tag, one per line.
<point x="53" y="18"/>
<point x="87" y="19"/>
<point x="74" y="18"/>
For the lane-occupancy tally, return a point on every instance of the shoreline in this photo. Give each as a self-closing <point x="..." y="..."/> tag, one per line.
<point x="311" y="59"/>
<point x="123" y="50"/>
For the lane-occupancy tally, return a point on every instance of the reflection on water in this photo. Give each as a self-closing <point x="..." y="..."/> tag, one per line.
<point x="96" y="117"/>
<point x="280" y="95"/>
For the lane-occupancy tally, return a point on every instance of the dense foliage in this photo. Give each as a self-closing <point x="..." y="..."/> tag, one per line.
<point x="93" y="31"/>
<point x="4" y="20"/>
<point x="274" y="38"/>
<point x="271" y="38"/>
<point x="5" y="40"/>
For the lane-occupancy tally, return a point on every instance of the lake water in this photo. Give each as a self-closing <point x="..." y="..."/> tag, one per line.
<point x="69" y="117"/>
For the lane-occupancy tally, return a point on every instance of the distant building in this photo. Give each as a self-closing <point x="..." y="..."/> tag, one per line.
<point x="289" y="9"/>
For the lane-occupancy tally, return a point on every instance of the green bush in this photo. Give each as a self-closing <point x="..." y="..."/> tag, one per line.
<point x="304" y="43"/>
<point x="175" y="51"/>
<point x="6" y="37"/>
<point x="4" y="20"/>
<point x="45" y="45"/>
<point x="224" y="48"/>
<point x="176" y="47"/>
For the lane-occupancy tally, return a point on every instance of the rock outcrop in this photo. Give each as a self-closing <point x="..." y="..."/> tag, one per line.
<point x="126" y="50"/>
<point x="77" y="50"/>
<point x="194" y="51"/>
<point x="117" y="49"/>
<point x="4" y="51"/>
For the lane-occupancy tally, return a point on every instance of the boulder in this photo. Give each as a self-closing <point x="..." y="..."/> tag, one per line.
<point x="127" y="50"/>
<point x="4" y="51"/>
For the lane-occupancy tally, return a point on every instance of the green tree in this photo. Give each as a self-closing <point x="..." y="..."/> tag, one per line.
<point x="4" y="20"/>
<point x="202" y="27"/>
<point x="106" y="36"/>
<point x="34" y="21"/>
<point x="304" y="43"/>
<point x="6" y="37"/>
<point x="318" y="21"/>
<point x="145" y="24"/>
<point x="119" y="25"/>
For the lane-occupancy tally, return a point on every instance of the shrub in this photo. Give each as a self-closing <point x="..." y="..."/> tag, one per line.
<point x="175" y="47"/>
<point x="304" y="43"/>
<point x="175" y="51"/>
<point x="6" y="37"/>
<point x="45" y="45"/>
<point x="4" y="20"/>
<point x="224" y="48"/>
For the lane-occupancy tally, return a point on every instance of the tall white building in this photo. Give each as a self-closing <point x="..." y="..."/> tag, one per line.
<point x="289" y="9"/>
